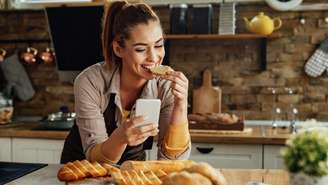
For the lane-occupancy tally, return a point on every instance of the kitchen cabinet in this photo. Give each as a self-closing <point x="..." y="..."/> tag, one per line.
<point x="228" y="155"/>
<point x="5" y="149"/>
<point x="272" y="157"/>
<point x="222" y="155"/>
<point x="219" y="155"/>
<point x="37" y="150"/>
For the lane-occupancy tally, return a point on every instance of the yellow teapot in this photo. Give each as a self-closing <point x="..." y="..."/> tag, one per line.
<point x="262" y="24"/>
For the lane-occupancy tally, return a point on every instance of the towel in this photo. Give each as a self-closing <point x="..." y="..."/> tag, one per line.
<point x="18" y="82"/>
<point x="318" y="62"/>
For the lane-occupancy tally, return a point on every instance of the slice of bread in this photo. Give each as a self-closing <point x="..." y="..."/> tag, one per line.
<point x="161" y="69"/>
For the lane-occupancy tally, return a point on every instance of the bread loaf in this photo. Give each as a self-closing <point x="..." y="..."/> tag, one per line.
<point x="208" y="171"/>
<point x="134" y="177"/>
<point x="177" y="172"/>
<point x="79" y="170"/>
<point x="167" y="166"/>
<point x="186" y="178"/>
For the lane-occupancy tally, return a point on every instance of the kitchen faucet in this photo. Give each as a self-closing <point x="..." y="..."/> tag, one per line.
<point x="292" y="125"/>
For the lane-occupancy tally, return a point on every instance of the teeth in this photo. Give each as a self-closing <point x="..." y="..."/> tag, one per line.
<point x="148" y="66"/>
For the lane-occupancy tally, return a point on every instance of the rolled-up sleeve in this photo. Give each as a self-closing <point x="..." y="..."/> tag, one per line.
<point x="89" y="117"/>
<point x="164" y="126"/>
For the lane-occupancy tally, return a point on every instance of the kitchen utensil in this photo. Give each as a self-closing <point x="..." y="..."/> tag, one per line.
<point x="47" y="56"/>
<point x="6" y="109"/>
<point x="58" y="121"/>
<point x="207" y="98"/>
<point x="262" y="24"/>
<point x="227" y="18"/>
<point x="29" y="55"/>
<point x="2" y="54"/>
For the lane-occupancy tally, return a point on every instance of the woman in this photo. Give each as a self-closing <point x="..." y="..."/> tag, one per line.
<point x="105" y="94"/>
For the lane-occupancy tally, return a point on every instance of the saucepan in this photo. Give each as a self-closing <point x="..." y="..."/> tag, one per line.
<point x="58" y="121"/>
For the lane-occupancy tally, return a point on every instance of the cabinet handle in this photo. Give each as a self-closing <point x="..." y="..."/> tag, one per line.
<point x="204" y="150"/>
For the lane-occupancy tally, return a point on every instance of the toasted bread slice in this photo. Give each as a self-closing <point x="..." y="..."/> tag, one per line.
<point x="161" y="69"/>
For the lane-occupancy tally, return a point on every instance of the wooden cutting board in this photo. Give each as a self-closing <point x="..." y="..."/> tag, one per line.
<point x="207" y="98"/>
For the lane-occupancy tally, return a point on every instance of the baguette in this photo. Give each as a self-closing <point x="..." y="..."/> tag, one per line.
<point x="79" y="170"/>
<point x="168" y="166"/>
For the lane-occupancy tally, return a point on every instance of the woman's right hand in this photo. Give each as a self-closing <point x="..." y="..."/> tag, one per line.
<point x="132" y="134"/>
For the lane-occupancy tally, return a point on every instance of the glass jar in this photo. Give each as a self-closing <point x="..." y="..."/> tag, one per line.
<point x="6" y="109"/>
<point x="3" y="4"/>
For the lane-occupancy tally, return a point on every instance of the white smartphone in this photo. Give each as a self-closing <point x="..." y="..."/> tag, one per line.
<point x="150" y="108"/>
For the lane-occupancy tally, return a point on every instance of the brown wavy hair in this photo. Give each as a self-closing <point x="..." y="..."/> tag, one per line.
<point x="119" y="17"/>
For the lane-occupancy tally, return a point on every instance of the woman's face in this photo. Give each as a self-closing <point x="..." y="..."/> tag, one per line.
<point x="143" y="50"/>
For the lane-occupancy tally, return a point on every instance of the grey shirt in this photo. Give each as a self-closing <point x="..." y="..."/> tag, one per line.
<point x="92" y="89"/>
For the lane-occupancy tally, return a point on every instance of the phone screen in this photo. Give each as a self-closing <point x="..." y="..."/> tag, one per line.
<point x="150" y="108"/>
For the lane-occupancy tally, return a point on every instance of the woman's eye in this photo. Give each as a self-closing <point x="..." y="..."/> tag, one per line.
<point x="159" y="46"/>
<point x="140" y="50"/>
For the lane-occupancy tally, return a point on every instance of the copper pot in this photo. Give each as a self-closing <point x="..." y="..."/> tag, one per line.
<point x="29" y="55"/>
<point x="2" y="54"/>
<point x="47" y="56"/>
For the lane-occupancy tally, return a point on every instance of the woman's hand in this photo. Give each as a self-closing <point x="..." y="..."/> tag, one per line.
<point x="179" y="86"/>
<point x="132" y="134"/>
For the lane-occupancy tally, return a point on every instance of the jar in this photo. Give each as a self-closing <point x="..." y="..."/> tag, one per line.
<point x="3" y="4"/>
<point x="6" y="109"/>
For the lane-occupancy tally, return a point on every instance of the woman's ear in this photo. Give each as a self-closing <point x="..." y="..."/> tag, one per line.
<point x="117" y="49"/>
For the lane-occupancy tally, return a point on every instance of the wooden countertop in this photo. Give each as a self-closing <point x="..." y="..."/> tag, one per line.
<point x="30" y="130"/>
<point x="256" y="134"/>
<point x="48" y="175"/>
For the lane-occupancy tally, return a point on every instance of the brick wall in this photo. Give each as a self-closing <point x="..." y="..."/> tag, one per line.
<point x="235" y="64"/>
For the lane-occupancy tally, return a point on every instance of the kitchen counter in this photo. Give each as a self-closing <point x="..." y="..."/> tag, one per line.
<point x="254" y="135"/>
<point x="48" y="176"/>
<point x="30" y="130"/>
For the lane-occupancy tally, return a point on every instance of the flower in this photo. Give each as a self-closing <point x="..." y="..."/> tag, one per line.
<point x="307" y="152"/>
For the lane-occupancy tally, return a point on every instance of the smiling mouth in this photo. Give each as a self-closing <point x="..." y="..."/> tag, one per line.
<point x="147" y="67"/>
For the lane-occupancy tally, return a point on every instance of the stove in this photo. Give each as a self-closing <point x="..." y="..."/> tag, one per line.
<point x="11" y="171"/>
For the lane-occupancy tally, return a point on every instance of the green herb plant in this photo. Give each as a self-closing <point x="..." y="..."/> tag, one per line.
<point x="307" y="152"/>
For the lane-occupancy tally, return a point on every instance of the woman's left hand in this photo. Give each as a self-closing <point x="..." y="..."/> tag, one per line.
<point x="179" y="86"/>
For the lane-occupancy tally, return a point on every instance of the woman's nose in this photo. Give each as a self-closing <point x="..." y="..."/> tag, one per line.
<point x="152" y="55"/>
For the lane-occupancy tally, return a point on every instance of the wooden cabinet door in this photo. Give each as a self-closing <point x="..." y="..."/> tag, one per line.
<point x="228" y="155"/>
<point x="37" y="150"/>
<point x="5" y="149"/>
<point x="272" y="157"/>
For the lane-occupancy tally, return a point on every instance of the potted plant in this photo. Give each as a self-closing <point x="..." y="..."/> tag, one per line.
<point x="306" y="157"/>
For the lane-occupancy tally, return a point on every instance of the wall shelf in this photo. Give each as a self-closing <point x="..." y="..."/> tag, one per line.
<point x="263" y="41"/>
<point x="28" y="41"/>
<point x="218" y="37"/>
